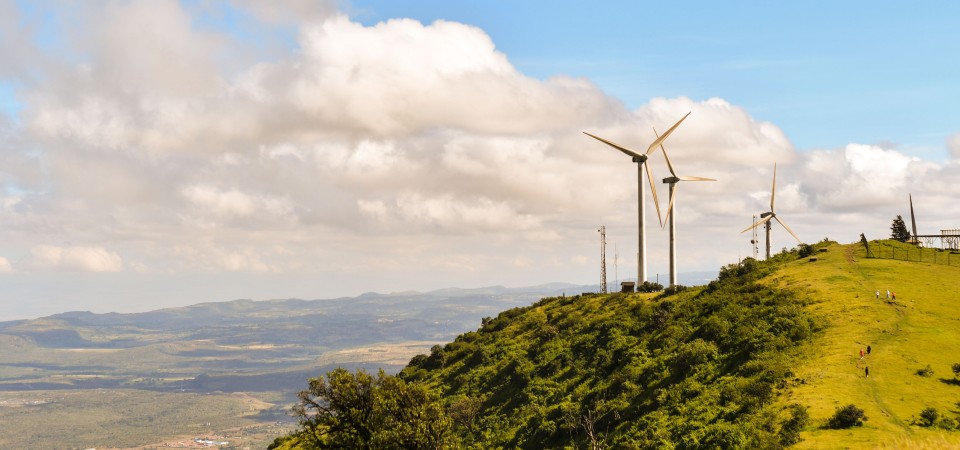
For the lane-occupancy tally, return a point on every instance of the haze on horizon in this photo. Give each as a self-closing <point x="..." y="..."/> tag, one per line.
<point x="161" y="153"/>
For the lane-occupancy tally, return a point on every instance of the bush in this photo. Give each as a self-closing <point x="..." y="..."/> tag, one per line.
<point x="804" y="250"/>
<point x="790" y="429"/>
<point x="928" y="417"/>
<point x="648" y="286"/>
<point x="675" y="289"/>
<point x="926" y="371"/>
<point x="846" y="417"/>
<point x="956" y="369"/>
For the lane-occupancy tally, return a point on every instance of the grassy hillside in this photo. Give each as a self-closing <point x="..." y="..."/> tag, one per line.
<point x="920" y="328"/>
<point x="760" y="358"/>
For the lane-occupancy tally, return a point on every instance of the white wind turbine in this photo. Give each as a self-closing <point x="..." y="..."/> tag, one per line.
<point x="641" y="160"/>
<point x="765" y="217"/>
<point x="672" y="181"/>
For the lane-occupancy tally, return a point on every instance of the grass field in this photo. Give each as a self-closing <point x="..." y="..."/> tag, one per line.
<point x="920" y="328"/>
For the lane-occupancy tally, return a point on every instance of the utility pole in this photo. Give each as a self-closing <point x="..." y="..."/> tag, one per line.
<point x="616" y="268"/>
<point x="603" y="259"/>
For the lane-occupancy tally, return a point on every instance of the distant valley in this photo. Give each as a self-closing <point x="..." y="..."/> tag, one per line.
<point x="229" y="369"/>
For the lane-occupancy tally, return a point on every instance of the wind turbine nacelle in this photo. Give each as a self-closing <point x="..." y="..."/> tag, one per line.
<point x="763" y="215"/>
<point x="640" y="159"/>
<point x="670" y="180"/>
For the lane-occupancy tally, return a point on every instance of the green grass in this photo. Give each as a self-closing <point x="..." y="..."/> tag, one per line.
<point x="921" y="328"/>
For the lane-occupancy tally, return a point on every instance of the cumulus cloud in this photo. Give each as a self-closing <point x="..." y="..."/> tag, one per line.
<point x="73" y="259"/>
<point x="395" y="146"/>
<point x="953" y="144"/>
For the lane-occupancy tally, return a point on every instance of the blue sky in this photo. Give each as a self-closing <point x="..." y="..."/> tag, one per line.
<point x="159" y="152"/>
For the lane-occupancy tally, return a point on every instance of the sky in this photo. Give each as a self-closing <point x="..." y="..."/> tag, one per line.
<point x="162" y="153"/>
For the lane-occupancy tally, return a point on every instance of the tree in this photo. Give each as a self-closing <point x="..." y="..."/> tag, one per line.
<point x="898" y="230"/>
<point x="846" y="417"/>
<point x="929" y="417"/>
<point x="346" y="410"/>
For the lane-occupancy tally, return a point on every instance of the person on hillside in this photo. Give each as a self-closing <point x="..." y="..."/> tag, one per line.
<point x="888" y="294"/>
<point x="868" y="349"/>
<point x="866" y="371"/>
<point x="894" y="296"/>
<point x="861" y="353"/>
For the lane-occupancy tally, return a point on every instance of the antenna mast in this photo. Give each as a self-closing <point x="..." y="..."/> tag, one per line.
<point x="603" y="259"/>
<point x="616" y="268"/>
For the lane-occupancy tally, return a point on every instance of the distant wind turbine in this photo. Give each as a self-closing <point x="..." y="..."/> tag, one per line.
<point x="765" y="217"/>
<point x="672" y="181"/>
<point x="641" y="159"/>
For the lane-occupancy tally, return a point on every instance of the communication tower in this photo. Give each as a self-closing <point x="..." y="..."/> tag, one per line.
<point x="603" y="259"/>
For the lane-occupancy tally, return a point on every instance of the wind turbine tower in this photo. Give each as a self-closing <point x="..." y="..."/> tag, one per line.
<point x="641" y="160"/>
<point x="603" y="259"/>
<point x="766" y="218"/>
<point x="671" y="216"/>
<point x="913" y="222"/>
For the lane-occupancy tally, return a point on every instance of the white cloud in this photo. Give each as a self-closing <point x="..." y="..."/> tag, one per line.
<point x="953" y="144"/>
<point x="415" y="150"/>
<point x="73" y="259"/>
<point x="5" y="266"/>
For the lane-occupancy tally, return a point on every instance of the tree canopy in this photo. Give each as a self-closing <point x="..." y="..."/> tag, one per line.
<point x="898" y="230"/>
<point x="360" y="411"/>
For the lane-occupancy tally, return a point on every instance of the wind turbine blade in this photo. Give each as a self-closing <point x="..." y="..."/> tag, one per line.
<point x="694" y="178"/>
<point x="673" y="195"/>
<point x="669" y="166"/>
<point x="660" y="139"/>
<point x="759" y="222"/>
<point x="653" y="188"/>
<point x="773" y="191"/>
<point x="788" y="229"/>
<point x="616" y="146"/>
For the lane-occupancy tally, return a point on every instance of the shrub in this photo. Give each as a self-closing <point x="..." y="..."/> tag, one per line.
<point x="846" y="417"/>
<point x="675" y="289"/>
<point x="928" y="417"/>
<point x="956" y="369"/>
<point x="648" y="286"/>
<point x="926" y="371"/>
<point x="790" y="429"/>
<point x="804" y="250"/>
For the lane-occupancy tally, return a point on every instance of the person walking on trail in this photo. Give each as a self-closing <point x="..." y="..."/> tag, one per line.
<point x="894" y="296"/>
<point x="868" y="349"/>
<point x="866" y="371"/>
<point x="878" y="294"/>
<point x="861" y="353"/>
<point x="888" y="294"/>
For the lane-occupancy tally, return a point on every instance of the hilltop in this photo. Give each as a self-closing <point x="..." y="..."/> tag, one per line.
<point x="760" y="358"/>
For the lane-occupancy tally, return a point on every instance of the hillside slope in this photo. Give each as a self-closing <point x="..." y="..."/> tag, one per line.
<point x="760" y="358"/>
<point x="702" y="368"/>
<point x="920" y="328"/>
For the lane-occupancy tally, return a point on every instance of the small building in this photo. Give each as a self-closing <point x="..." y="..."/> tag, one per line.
<point x="627" y="286"/>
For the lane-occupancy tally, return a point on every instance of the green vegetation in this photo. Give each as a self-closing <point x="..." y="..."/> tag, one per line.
<point x="764" y="357"/>
<point x="698" y="367"/>
<point x="360" y="411"/>
<point x="846" y="417"/>
<point x="898" y="230"/>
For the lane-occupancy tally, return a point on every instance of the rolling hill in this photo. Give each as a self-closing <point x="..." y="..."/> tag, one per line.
<point x="763" y="357"/>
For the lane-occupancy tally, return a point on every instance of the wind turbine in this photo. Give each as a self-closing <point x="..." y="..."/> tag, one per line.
<point x="641" y="159"/>
<point x="765" y="217"/>
<point x="672" y="181"/>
